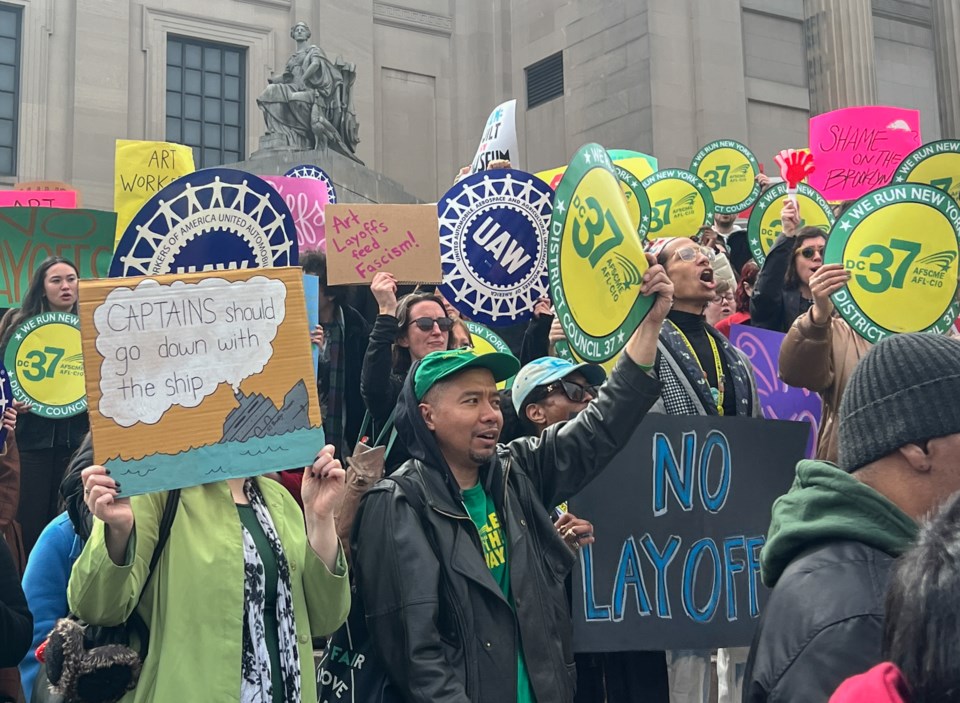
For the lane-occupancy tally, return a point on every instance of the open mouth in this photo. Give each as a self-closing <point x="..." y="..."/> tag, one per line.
<point x="707" y="277"/>
<point x="488" y="436"/>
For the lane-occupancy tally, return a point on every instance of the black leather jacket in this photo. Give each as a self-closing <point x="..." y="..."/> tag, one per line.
<point x="822" y="624"/>
<point x="438" y="620"/>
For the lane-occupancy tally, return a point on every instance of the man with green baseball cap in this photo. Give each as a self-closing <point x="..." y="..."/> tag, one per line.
<point x="458" y="564"/>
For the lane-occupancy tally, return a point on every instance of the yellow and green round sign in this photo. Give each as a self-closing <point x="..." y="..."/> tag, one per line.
<point x="486" y="341"/>
<point x="565" y="352"/>
<point x="638" y="204"/>
<point x="764" y="226"/>
<point x="901" y="245"/>
<point x="730" y="170"/>
<point x="595" y="258"/>
<point x="936" y="163"/>
<point x="680" y="203"/>
<point x="45" y="360"/>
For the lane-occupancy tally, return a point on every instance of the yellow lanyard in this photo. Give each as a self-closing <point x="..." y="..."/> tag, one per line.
<point x="716" y="392"/>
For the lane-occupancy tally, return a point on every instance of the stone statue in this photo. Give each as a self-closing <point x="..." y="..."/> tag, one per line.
<point x="310" y="106"/>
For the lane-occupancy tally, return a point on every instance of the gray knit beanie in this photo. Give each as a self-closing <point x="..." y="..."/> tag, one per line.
<point x="905" y="390"/>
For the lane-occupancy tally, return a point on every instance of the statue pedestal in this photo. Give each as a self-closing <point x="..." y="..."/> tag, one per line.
<point x="355" y="183"/>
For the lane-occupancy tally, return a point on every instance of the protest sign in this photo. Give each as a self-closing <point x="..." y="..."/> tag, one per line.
<point x="200" y="377"/>
<point x="730" y="170"/>
<point x="764" y="225"/>
<point x="43" y="185"/>
<point x="364" y="239"/>
<point x="46" y="364"/>
<point x="493" y="245"/>
<point x="563" y="350"/>
<point x="777" y="400"/>
<point x="66" y="199"/>
<point x="142" y="169"/>
<point x="681" y="203"/>
<point x="858" y="149"/>
<point x="499" y="139"/>
<point x="486" y="341"/>
<point x="311" y="295"/>
<point x="640" y="165"/>
<point x="680" y="517"/>
<point x="900" y="244"/>
<point x="30" y="235"/>
<point x="317" y="174"/>
<point x="596" y="262"/>
<point x="936" y="163"/>
<point x="638" y="204"/>
<point x="214" y="219"/>
<point x="307" y="200"/>
<point x="6" y="400"/>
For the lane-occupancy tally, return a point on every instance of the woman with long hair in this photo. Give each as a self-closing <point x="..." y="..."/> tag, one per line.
<point x="741" y="298"/>
<point x="45" y="444"/>
<point x="783" y="292"/>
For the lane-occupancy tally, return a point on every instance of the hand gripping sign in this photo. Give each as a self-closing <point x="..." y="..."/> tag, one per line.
<point x="764" y="226"/>
<point x="596" y="260"/>
<point x="900" y="243"/>
<point x="730" y="170"/>
<point x="493" y="245"/>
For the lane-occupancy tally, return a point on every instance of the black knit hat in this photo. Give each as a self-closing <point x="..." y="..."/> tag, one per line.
<point x="905" y="390"/>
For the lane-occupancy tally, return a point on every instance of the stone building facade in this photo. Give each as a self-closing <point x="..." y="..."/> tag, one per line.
<point x="658" y="76"/>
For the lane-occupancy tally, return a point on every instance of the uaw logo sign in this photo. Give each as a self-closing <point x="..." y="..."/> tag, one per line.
<point x="493" y="234"/>
<point x="317" y="174"/>
<point x="210" y="220"/>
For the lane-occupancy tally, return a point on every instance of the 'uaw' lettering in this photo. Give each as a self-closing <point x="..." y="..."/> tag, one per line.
<point x="506" y="251"/>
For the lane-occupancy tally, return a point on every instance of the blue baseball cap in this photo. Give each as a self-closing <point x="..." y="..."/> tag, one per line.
<point x="546" y="370"/>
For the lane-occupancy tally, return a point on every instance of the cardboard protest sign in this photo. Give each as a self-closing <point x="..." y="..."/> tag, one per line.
<point x="364" y="239"/>
<point x="900" y="244"/>
<point x="317" y="174"/>
<point x="30" y="235"/>
<point x="499" y="140"/>
<point x="676" y="564"/>
<point x="46" y="364"/>
<point x="638" y="203"/>
<point x="307" y="200"/>
<point x="66" y="199"/>
<point x="730" y="170"/>
<point x="858" y="149"/>
<point x="936" y="163"/>
<point x="681" y="203"/>
<point x="596" y="261"/>
<point x="493" y="245"/>
<point x="6" y="400"/>
<point x="142" y="169"/>
<point x="213" y="219"/>
<point x="640" y="165"/>
<point x="778" y="400"/>
<point x="764" y="225"/>
<point x="201" y="377"/>
<point x="486" y="341"/>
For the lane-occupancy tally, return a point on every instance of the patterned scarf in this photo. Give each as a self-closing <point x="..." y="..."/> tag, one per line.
<point x="258" y="681"/>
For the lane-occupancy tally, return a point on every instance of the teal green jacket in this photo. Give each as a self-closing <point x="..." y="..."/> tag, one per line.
<point x="194" y="601"/>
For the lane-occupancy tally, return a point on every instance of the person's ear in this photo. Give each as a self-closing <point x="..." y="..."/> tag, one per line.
<point x="403" y="341"/>
<point x="428" y="415"/>
<point x="918" y="456"/>
<point x="535" y="414"/>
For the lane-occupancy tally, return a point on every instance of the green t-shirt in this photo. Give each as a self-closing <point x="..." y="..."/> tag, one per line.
<point x="484" y="515"/>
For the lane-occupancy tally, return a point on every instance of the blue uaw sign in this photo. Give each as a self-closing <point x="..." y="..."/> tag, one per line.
<point x="681" y="515"/>
<point x="210" y="220"/>
<point x="317" y="174"/>
<point x="493" y="245"/>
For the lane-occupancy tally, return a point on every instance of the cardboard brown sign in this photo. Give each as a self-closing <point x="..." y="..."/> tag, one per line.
<point x="401" y="239"/>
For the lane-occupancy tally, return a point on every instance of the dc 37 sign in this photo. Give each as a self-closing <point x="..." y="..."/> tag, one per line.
<point x="680" y="517"/>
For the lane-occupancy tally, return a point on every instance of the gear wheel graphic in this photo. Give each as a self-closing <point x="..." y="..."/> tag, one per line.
<point x="317" y="174"/>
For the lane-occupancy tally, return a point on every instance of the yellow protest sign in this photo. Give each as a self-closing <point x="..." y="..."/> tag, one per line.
<point x="142" y="169"/>
<point x="900" y="244"/>
<point x="681" y="203"/>
<point x="730" y="170"/>
<point x="640" y="165"/>
<point x="486" y="341"/>
<point x="936" y="163"/>
<point x="764" y="226"/>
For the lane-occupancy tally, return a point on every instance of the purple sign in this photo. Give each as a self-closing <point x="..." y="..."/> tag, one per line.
<point x="778" y="400"/>
<point x="6" y="400"/>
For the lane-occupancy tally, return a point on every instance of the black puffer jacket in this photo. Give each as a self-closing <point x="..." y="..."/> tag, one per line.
<point x="438" y="619"/>
<point x="773" y="307"/>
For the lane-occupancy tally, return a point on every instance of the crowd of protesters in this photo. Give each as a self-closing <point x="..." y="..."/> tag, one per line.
<point x="427" y="552"/>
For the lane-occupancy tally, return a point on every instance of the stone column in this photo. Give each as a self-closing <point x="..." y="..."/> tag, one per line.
<point x="946" y="42"/>
<point x="840" y="54"/>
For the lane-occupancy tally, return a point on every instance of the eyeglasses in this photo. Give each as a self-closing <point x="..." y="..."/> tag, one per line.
<point x="689" y="254"/>
<point x="728" y="298"/>
<point x="426" y="324"/>
<point x="574" y="391"/>
<point x="810" y="252"/>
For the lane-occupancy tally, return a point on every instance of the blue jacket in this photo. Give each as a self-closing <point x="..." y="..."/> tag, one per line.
<point x="45" y="585"/>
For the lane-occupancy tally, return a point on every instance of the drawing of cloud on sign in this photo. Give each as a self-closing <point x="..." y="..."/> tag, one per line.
<point x="900" y="125"/>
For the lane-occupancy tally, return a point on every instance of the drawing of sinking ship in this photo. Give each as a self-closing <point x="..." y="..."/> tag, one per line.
<point x="257" y="416"/>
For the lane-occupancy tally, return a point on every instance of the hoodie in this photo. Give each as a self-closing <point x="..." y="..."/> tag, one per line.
<point x="882" y="684"/>
<point x="826" y="504"/>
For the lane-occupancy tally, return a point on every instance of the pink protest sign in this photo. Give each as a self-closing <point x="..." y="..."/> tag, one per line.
<point x="39" y="198"/>
<point x="858" y="149"/>
<point x="307" y="200"/>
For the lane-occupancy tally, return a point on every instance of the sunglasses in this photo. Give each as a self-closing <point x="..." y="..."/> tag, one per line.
<point x="426" y="324"/>
<point x="574" y="391"/>
<point x="689" y="254"/>
<point x="810" y="252"/>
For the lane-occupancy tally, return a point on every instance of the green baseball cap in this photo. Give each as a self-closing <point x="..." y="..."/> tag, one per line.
<point x="438" y="365"/>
